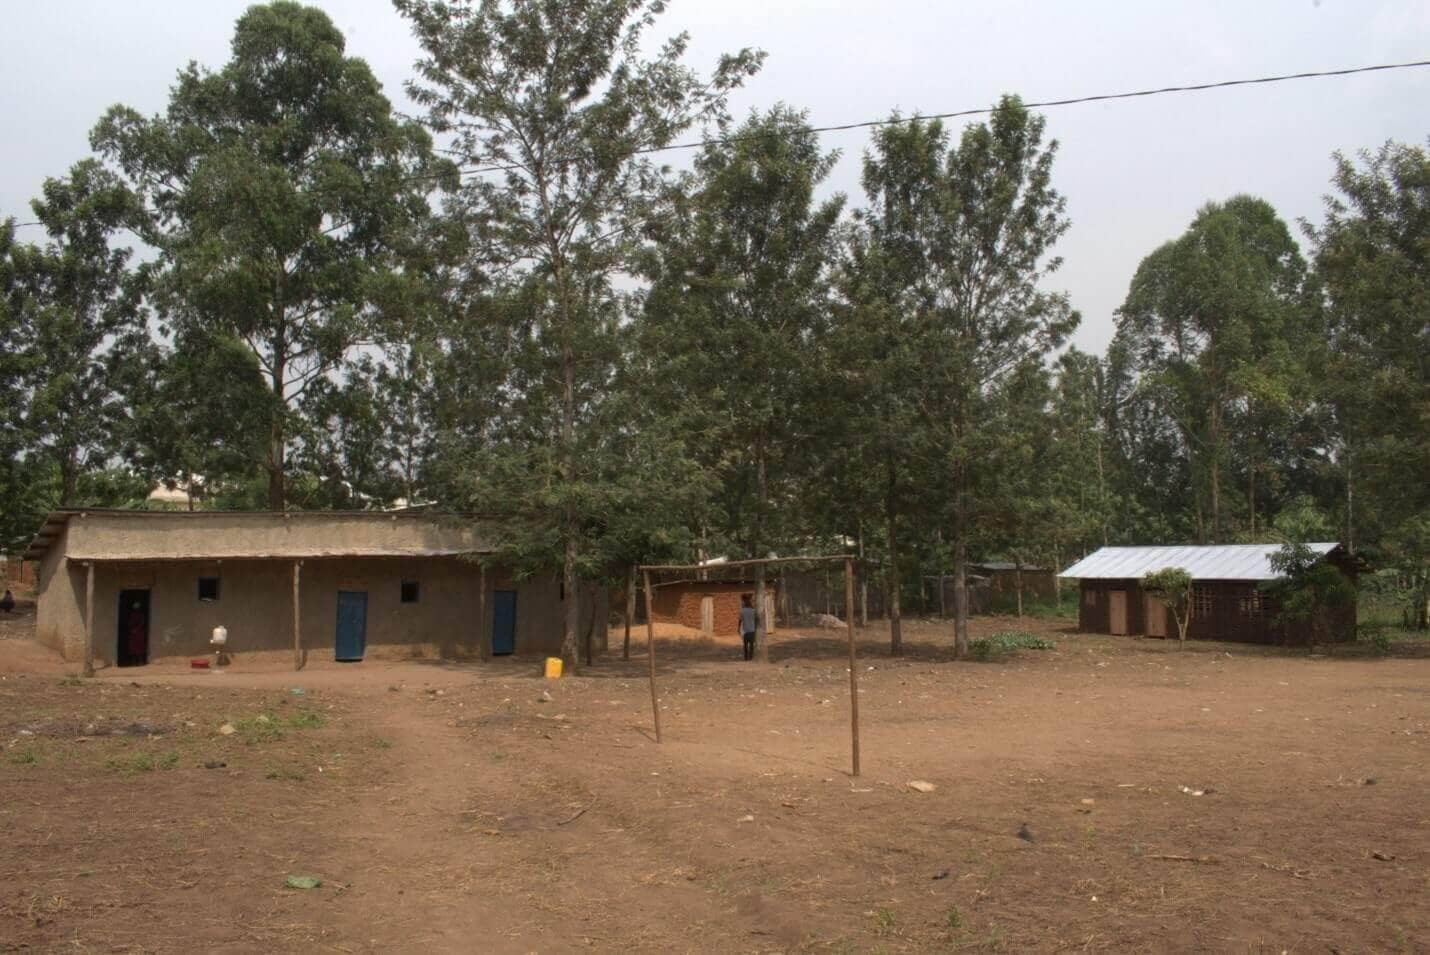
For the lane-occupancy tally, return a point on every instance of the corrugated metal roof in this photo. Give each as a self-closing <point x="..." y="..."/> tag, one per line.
<point x="1203" y="562"/>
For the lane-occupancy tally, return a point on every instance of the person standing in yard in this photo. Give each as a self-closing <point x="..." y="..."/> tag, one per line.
<point x="747" y="626"/>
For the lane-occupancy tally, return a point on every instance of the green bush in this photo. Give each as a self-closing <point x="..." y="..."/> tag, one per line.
<point x="1006" y="641"/>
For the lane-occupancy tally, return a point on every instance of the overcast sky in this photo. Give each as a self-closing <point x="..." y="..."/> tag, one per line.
<point x="1134" y="172"/>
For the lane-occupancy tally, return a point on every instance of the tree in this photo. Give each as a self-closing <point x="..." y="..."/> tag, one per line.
<point x="995" y="220"/>
<point x="1371" y="261"/>
<point x="1211" y="321"/>
<point x="75" y="309"/>
<point x="1307" y="588"/>
<point x="740" y="285"/>
<point x="199" y="414"/>
<point x="875" y="346"/>
<point x="1172" y="586"/>
<point x="287" y="203"/>
<point x="553" y="101"/>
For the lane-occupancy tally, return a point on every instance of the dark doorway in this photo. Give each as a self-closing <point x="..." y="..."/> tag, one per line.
<point x="352" y="625"/>
<point x="133" y="628"/>
<point x="503" y="622"/>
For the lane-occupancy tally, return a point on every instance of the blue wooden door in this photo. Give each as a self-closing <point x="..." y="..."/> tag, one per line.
<point x="503" y="622"/>
<point x="352" y="624"/>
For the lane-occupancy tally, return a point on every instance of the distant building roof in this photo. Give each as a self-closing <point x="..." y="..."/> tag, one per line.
<point x="1213" y="562"/>
<point x="1002" y="565"/>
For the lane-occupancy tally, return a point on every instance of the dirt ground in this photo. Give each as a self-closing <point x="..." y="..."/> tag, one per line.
<point x="1217" y="799"/>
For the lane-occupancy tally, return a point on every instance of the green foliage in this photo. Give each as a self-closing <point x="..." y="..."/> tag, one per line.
<point x="1005" y="642"/>
<point x="570" y="133"/>
<point x="23" y="756"/>
<point x="307" y="720"/>
<point x="290" y="209"/>
<point x="1173" y="587"/>
<point x="1308" y="587"/>
<point x="143" y="761"/>
<point x="1371" y="262"/>
<point x="1215" y="335"/>
<point x="72" y="313"/>
<point x="739" y="286"/>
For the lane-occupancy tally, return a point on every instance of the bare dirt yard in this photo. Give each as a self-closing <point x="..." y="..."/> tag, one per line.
<point x="1109" y="794"/>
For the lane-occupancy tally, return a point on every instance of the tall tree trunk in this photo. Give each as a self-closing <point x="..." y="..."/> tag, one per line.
<point x="568" y="474"/>
<point x="960" y="570"/>
<point x="1215" y="452"/>
<point x="1251" y="492"/>
<point x="1101" y="494"/>
<point x="277" y="436"/>
<point x="630" y="612"/>
<point x="68" y="461"/>
<point x="590" y="628"/>
<point x="1018" y="584"/>
<point x="896" y="630"/>
<point x="1350" y="506"/>
<point x="762" y="649"/>
<point x="960" y="598"/>
<point x="762" y="646"/>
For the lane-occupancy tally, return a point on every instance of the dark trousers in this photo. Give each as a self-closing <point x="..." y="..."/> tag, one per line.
<point x="749" y="646"/>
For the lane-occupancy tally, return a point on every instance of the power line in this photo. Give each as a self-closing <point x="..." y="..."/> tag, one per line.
<point x="959" y="114"/>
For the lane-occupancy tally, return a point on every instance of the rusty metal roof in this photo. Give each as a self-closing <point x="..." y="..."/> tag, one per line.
<point x="1203" y="562"/>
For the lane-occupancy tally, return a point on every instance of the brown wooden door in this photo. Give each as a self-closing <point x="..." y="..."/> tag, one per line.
<point x="1156" y="617"/>
<point x="1117" y="611"/>
<point x="707" y="615"/>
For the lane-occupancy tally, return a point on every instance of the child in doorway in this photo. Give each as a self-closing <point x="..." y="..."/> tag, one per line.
<point x="747" y="626"/>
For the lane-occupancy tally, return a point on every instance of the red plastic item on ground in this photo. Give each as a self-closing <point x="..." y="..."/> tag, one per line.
<point x="199" y="664"/>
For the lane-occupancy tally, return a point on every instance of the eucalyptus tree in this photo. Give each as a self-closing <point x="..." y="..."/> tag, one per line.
<point x="1371" y="262"/>
<point x="288" y="205"/>
<point x="882" y="325"/>
<point x="1213" y="321"/>
<point x="996" y="218"/>
<point x="74" y="310"/>
<point x="553" y="108"/>
<point x="740" y="287"/>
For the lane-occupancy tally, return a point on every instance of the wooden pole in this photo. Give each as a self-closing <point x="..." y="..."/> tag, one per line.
<point x="297" y="615"/>
<point x="650" y="653"/>
<point x="88" y="618"/>
<point x="484" y="638"/>
<point x="853" y="663"/>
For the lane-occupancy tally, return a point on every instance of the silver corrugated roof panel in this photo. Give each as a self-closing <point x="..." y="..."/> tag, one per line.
<point x="1203" y="562"/>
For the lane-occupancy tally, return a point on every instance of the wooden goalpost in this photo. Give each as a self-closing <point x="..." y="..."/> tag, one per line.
<point x="647" y="569"/>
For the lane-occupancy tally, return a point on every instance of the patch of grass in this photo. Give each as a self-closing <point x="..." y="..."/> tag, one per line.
<point x="1005" y="642"/>
<point x="885" y="921"/>
<point x="307" y="720"/>
<point x="953" y="919"/>
<point x="259" y="729"/>
<point x="24" y="756"/>
<point x="381" y="742"/>
<point x="71" y="681"/>
<point x="132" y="764"/>
<point x="286" y="773"/>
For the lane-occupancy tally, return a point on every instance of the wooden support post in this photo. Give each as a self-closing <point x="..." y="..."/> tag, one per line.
<point x="650" y="653"/>
<point x="484" y="631"/>
<point x="88" y="618"/>
<point x="853" y="663"/>
<point x="297" y="617"/>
